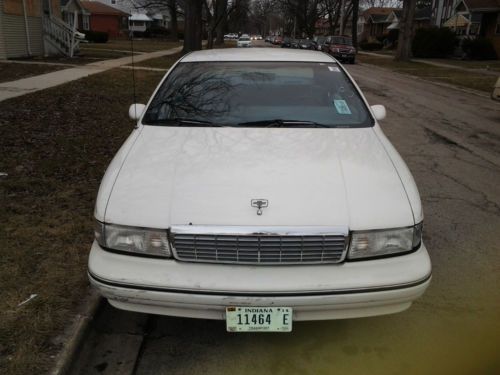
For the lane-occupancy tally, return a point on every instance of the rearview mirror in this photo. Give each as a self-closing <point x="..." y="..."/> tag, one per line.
<point x="135" y="111"/>
<point x="378" y="112"/>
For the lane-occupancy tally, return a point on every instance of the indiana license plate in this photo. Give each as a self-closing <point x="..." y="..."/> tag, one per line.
<point x="259" y="319"/>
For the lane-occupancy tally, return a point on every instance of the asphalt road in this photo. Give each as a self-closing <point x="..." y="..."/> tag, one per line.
<point x="451" y="141"/>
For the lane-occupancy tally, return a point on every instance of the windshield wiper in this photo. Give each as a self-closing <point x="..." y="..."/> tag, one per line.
<point x="183" y="121"/>
<point x="280" y="123"/>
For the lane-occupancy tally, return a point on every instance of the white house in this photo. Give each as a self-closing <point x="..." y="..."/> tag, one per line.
<point x="35" y="28"/>
<point x="141" y="17"/>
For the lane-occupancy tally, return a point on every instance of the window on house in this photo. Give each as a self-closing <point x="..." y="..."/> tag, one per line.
<point x="474" y="28"/>
<point x="113" y="1"/>
<point x="86" y="22"/>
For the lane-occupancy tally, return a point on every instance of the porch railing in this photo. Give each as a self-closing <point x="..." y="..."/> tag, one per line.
<point x="61" y="35"/>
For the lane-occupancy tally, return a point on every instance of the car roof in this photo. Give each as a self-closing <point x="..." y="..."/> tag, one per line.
<point x="257" y="54"/>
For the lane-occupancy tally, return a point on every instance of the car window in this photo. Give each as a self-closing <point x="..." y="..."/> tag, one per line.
<point x="235" y="93"/>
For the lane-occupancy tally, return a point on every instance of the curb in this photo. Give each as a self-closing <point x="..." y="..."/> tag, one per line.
<point x="76" y="334"/>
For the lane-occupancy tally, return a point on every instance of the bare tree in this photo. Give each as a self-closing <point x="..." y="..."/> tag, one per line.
<point x="217" y="12"/>
<point x="403" y="52"/>
<point x="193" y="25"/>
<point x="354" y="27"/>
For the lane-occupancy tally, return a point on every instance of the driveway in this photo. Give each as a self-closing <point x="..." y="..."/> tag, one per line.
<point x="451" y="142"/>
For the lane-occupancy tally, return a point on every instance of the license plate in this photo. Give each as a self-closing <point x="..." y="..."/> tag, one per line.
<point x="259" y="319"/>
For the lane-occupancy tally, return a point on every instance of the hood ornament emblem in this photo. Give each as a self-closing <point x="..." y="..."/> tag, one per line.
<point x="259" y="204"/>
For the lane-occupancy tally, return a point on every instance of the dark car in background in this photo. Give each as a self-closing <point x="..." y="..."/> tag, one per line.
<point x="288" y="42"/>
<point x="307" y="44"/>
<point x="341" y="48"/>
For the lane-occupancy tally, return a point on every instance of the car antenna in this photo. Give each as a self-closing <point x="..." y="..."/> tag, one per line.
<point x="133" y="72"/>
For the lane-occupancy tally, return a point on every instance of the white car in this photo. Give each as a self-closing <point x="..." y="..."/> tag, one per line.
<point x="244" y="41"/>
<point x="259" y="188"/>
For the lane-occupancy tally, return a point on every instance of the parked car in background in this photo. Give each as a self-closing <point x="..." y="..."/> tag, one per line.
<point x="320" y="40"/>
<point x="268" y="39"/>
<point x="277" y="39"/>
<point x="244" y="41"/>
<point x="237" y="197"/>
<point x="341" y="48"/>
<point x="307" y="44"/>
<point x="259" y="37"/>
<point x="287" y="42"/>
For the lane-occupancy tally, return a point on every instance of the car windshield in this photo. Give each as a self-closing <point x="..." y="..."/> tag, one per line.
<point x="244" y="39"/>
<point x="285" y="94"/>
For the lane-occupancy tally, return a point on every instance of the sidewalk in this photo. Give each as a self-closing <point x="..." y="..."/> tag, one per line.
<point x="438" y="64"/>
<point x="28" y="85"/>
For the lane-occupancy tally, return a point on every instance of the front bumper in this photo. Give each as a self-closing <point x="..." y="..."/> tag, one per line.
<point x="334" y="291"/>
<point x="343" y="56"/>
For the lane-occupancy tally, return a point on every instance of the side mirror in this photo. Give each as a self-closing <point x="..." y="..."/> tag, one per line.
<point x="135" y="111"/>
<point x="378" y="112"/>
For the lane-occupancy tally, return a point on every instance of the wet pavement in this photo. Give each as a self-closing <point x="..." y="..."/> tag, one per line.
<point x="451" y="141"/>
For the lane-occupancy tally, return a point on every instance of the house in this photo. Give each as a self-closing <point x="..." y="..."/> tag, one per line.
<point x="141" y="16"/>
<point x="477" y="18"/>
<point x="442" y="10"/>
<point x="421" y="19"/>
<point x="35" y="28"/>
<point x="373" y="23"/>
<point x="104" y="18"/>
<point x="383" y="23"/>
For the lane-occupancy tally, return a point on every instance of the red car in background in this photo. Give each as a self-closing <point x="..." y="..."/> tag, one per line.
<point x="277" y="40"/>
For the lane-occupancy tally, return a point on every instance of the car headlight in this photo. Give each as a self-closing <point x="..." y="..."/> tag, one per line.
<point x="367" y="244"/>
<point x="133" y="239"/>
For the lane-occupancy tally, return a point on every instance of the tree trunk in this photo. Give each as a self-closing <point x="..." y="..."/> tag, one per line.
<point x="354" y="27"/>
<point x="193" y="25"/>
<point x="406" y="31"/>
<point x="221" y="13"/>
<point x="174" y="28"/>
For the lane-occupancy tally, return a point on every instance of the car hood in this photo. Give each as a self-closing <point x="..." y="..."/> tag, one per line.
<point x="208" y="176"/>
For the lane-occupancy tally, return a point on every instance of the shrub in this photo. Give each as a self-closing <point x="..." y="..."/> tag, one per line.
<point x="156" y="32"/>
<point x="96" y="36"/>
<point x="434" y="42"/>
<point x="479" y="49"/>
<point x="370" y="46"/>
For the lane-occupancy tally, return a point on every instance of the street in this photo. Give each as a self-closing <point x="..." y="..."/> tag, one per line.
<point x="450" y="140"/>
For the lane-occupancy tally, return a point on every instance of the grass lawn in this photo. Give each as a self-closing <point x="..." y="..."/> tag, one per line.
<point x="163" y="62"/>
<point x="13" y="71"/>
<point x="85" y="56"/>
<point x="55" y="147"/>
<point x="472" y="64"/>
<point x="140" y="45"/>
<point x="476" y="81"/>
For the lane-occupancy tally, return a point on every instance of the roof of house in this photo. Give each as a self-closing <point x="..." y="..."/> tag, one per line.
<point x="482" y="4"/>
<point x="457" y="20"/>
<point x="140" y="17"/>
<point x="378" y="15"/>
<point x="95" y="7"/>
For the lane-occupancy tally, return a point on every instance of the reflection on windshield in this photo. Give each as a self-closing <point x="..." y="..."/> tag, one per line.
<point x="238" y="93"/>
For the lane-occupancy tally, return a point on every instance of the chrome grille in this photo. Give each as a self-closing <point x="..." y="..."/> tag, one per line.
<point x="258" y="248"/>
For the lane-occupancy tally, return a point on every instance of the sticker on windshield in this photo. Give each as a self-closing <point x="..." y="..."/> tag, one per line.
<point x="342" y="107"/>
<point x="334" y="69"/>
